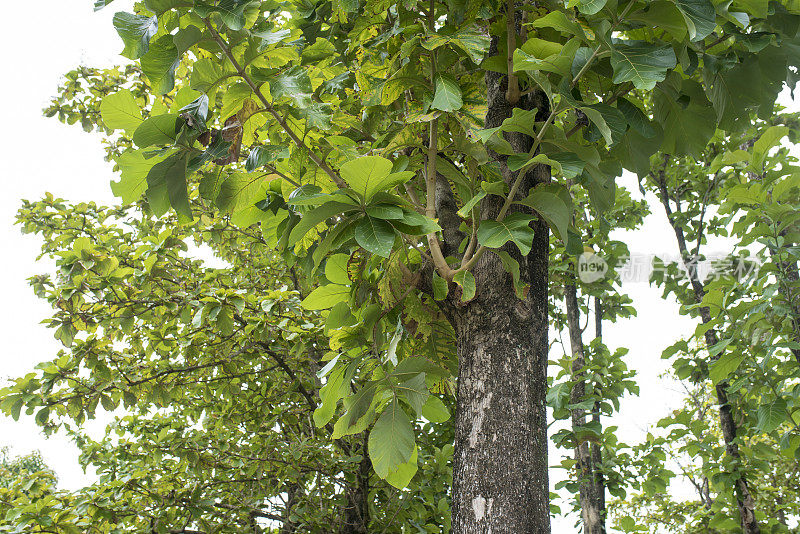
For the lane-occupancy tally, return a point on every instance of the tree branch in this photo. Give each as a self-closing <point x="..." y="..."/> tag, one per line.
<point x="271" y="110"/>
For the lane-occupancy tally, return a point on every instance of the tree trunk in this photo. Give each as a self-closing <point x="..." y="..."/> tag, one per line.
<point x="356" y="514"/>
<point x="591" y="514"/>
<point x="789" y="279"/>
<point x="500" y="465"/>
<point x="744" y="499"/>
<point x="597" y="451"/>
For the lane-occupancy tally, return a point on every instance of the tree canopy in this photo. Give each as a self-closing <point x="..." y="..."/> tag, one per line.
<point x="401" y="192"/>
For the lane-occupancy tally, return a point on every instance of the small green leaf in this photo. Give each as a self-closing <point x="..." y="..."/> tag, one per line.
<point x="440" y="287"/>
<point x="435" y="411"/>
<point x="466" y="281"/>
<point x="763" y="144"/>
<point x="42" y="416"/>
<point x="515" y="227"/>
<point x="511" y="266"/>
<point x="466" y="210"/>
<point x="447" y="96"/>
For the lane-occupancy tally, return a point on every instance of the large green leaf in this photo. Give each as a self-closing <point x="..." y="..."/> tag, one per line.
<point x="636" y="118"/>
<point x="241" y="191"/>
<point x="120" y="111"/>
<point x="763" y="144"/>
<point x="315" y="217"/>
<point x="369" y="175"/>
<point x="134" y="167"/>
<point x="515" y="227"/>
<point x="157" y="130"/>
<point x="447" y="95"/>
<point x="642" y="63"/>
<point x="232" y="13"/>
<point x="294" y="84"/>
<point x="318" y="115"/>
<point x="473" y="41"/>
<point x="391" y="441"/>
<point x="701" y="17"/>
<point x="136" y="32"/>
<point x="336" y="269"/>
<point x="725" y="365"/>
<point x="558" y="21"/>
<point x="687" y="116"/>
<point x="166" y="186"/>
<point x="588" y="7"/>
<point x="336" y="387"/>
<point x="359" y="412"/>
<point x="325" y="297"/>
<point x="554" y="204"/>
<point x="402" y="475"/>
<point x="665" y="15"/>
<point x="375" y="235"/>
<point x="164" y="56"/>
<point x="736" y="93"/>
<point x="208" y="73"/>
<point x="771" y="416"/>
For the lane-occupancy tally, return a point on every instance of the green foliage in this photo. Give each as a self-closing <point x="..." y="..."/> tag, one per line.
<point x="311" y="146"/>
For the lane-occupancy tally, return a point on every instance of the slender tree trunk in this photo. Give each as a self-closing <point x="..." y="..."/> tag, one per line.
<point x="288" y="526"/>
<point x="744" y="499"/>
<point x="356" y="514"/>
<point x="591" y="515"/>
<point x="597" y="451"/>
<point x="789" y="289"/>
<point x="500" y="482"/>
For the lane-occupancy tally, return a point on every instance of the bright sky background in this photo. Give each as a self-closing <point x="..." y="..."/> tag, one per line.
<point x="42" y="155"/>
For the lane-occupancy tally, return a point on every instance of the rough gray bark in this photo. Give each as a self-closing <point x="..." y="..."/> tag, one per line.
<point x="500" y="482"/>
<point x="589" y="492"/>
<point x="744" y="499"/>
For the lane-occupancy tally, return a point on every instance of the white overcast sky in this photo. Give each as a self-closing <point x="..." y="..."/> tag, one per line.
<point x="41" y="155"/>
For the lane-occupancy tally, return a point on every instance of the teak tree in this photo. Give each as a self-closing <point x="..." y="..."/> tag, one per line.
<point x="430" y="147"/>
